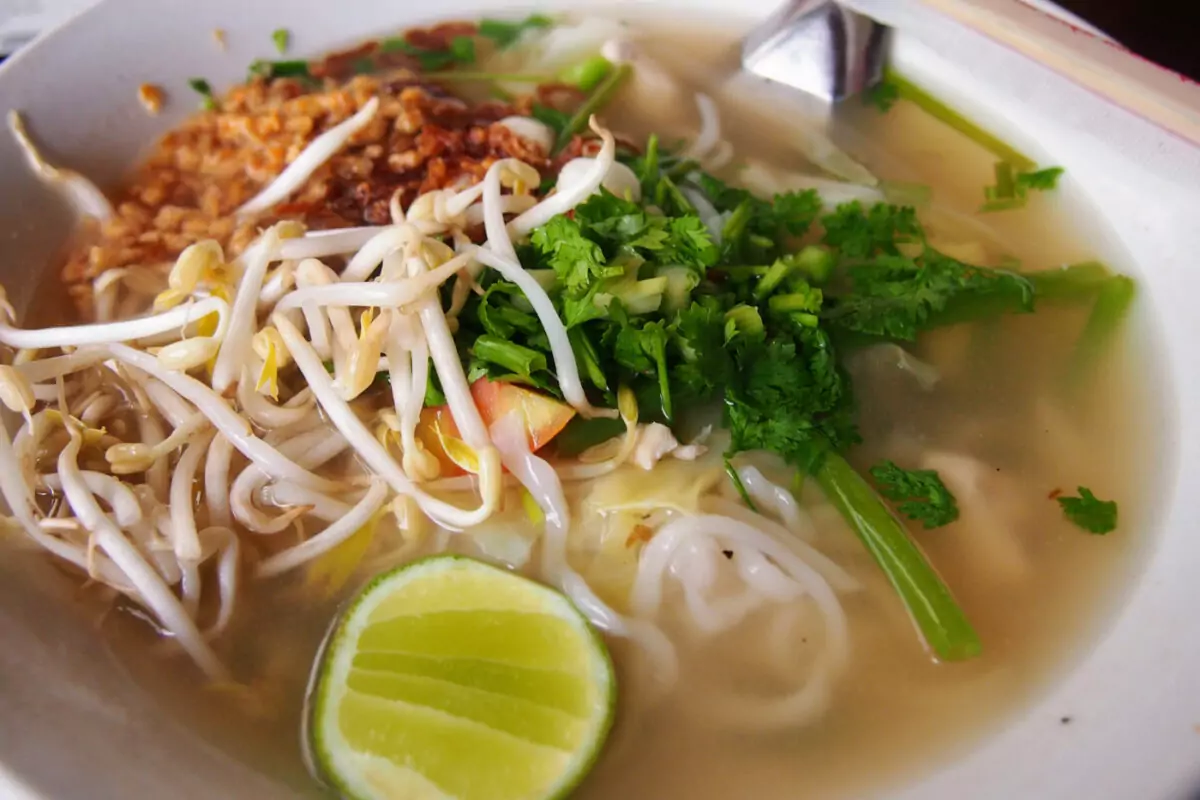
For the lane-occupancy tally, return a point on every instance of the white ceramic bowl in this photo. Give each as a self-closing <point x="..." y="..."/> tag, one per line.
<point x="72" y="725"/>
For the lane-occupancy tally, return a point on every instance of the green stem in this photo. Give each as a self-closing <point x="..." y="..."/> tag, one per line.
<point x="939" y="110"/>
<point x="595" y="101"/>
<point x="1107" y="315"/>
<point x="475" y="75"/>
<point x="1074" y="284"/>
<point x="942" y="623"/>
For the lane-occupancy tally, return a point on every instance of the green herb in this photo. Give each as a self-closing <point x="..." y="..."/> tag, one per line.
<point x="461" y="50"/>
<point x="907" y="90"/>
<point x="280" y="69"/>
<point x="1108" y="313"/>
<point x="945" y="628"/>
<point x="582" y="433"/>
<point x="514" y="358"/>
<point x="1012" y="188"/>
<point x="576" y="260"/>
<point x="281" y="38"/>
<point x="588" y="73"/>
<point x="920" y="493"/>
<point x="595" y="101"/>
<point x="736" y="479"/>
<point x="556" y="120"/>
<point x="201" y="87"/>
<point x="642" y="349"/>
<point x="893" y="295"/>
<point x="1089" y="512"/>
<point x="505" y="33"/>
<point x="882" y="96"/>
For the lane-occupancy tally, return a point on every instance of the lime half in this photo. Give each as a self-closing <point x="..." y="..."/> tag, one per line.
<point x="449" y="678"/>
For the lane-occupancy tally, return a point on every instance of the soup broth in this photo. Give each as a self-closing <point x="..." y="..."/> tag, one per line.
<point x="986" y="405"/>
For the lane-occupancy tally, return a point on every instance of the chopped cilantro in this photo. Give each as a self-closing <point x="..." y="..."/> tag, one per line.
<point x="736" y="479"/>
<point x="576" y="260"/>
<point x="281" y="38"/>
<point x="1089" y="512"/>
<point x="1012" y="188"/>
<point x="280" y="69"/>
<point x="505" y="33"/>
<point x="919" y="493"/>
<point x="882" y="96"/>
<point x="461" y="50"/>
<point x="552" y="117"/>
<point x="201" y="87"/>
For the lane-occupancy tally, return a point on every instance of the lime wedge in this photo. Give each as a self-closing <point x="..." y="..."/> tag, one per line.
<point x="449" y="678"/>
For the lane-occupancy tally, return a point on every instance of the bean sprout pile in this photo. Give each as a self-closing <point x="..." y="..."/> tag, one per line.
<point x="162" y="444"/>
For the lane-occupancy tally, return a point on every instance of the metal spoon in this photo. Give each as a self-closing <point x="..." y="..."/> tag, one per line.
<point x="820" y="47"/>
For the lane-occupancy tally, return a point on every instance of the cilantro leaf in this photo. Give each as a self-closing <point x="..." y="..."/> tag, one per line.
<point x="643" y="350"/>
<point x="882" y="96"/>
<point x="895" y="297"/>
<point x="1089" y="512"/>
<point x="505" y="33"/>
<point x="513" y="357"/>
<point x="201" y="87"/>
<point x="1042" y="180"/>
<point x="791" y="398"/>
<point x="919" y="493"/>
<point x="461" y="50"/>
<point x="861" y="234"/>
<point x="281" y="38"/>
<point x="575" y="259"/>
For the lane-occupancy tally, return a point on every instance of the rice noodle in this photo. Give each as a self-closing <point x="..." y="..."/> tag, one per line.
<point x="540" y="480"/>
<point x="311" y="158"/>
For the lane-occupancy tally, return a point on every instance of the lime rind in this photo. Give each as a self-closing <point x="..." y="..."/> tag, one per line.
<point x="359" y="775"/>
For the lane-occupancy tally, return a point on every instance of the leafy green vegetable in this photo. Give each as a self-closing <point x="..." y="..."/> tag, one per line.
<point x="552" y="117"/>
<point x="460" y="50"/>
<point x="1089" y="512"/>
<point x="595" y="101"/>
<point x="582" y="433"/>
<point x="905" y="89"/>
<point x="576" y="260"/>
<point x="893" y="295"/>
<point x="942" y="623"/>
<point x="643" y="350"/>
<point x="881" y="230"/>
<point x="1108" y="313"/>
<point x="505" y="32"/>
<point x="514" y="358"/>
<point x="280" y="69"/>
<point x="919" y="493"/>
<point x="588" y="73"/>
<point x="201" y="87"/>
<point x="1012" y="188"/>
<point x="882" y="96"/>
<point x="281" y="38"/>
<point x="736" y="479"/>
